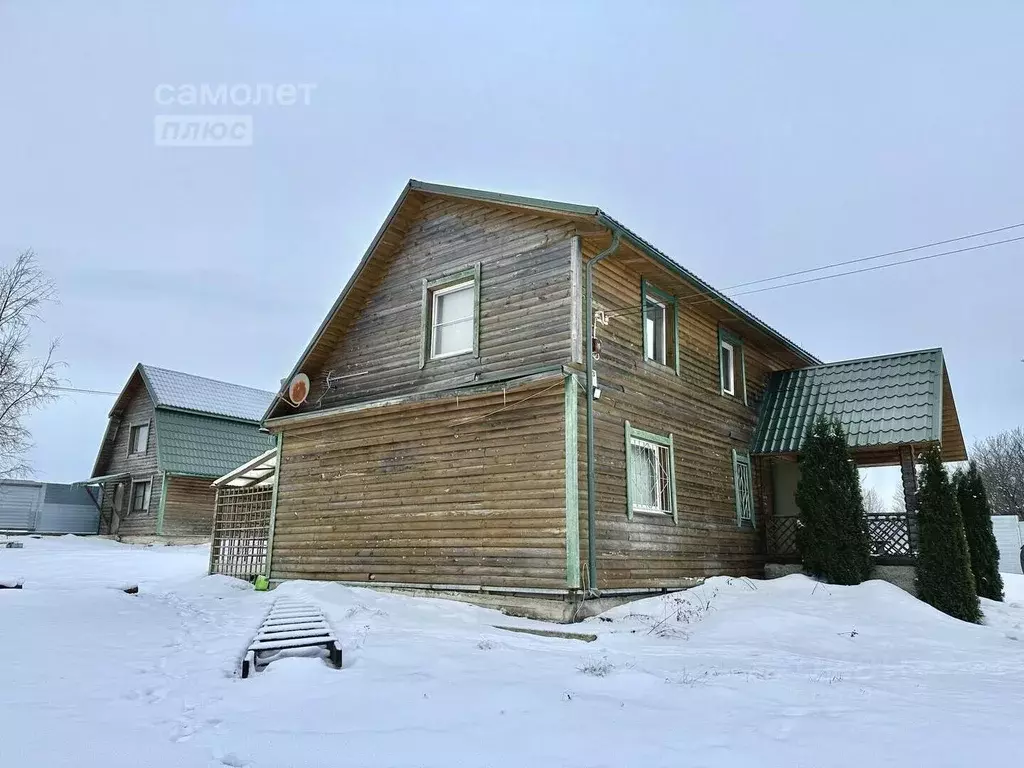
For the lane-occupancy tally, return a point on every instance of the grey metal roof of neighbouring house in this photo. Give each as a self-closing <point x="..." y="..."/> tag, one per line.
<point x="902" y="399"/>
<point x="173" y="389"/>
<point x="205" y="446"/>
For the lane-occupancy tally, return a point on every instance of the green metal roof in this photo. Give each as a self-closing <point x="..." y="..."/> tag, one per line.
<point x="880" y="401"/>
<point x="204" y="446"/>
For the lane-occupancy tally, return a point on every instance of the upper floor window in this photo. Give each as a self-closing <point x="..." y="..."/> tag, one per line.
<point x="451" y="315"/>
<point x="732" y="365"/>
<point x="650" y="473"/>
<point x="138" y="438"/>
<point x="451" y="320"/>
<point x="659" y="320"/>
<point x="654" y="330"/>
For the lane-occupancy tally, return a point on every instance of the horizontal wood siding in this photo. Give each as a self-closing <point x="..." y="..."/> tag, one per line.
<point x="138" y="409"/>
<point x="189" y="508"/>
<point x="459" y="492"/>
<point x="651" y="550"/>
<point x="525" y="303"/>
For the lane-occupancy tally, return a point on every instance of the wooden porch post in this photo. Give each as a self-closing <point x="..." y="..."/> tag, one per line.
<point x="765" y="498"/>
<point x="909" y="474"/>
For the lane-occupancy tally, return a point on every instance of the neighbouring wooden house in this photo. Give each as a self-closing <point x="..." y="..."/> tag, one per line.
<point x="169" y="435"/>
<point x="455" y="436"/>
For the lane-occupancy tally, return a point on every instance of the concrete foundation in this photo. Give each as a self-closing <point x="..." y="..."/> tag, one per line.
<point x="557" y="608"/>
<point x="168" y="540"/>
<point x="902" y="576"/>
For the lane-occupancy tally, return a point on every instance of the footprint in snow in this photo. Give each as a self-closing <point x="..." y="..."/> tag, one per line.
<point x="233" y="760"/>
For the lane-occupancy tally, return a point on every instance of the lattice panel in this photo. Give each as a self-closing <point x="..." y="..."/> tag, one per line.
<point x="889" y="534"/>
<point x="781" y="533"/>
<point x="241" y="529"/>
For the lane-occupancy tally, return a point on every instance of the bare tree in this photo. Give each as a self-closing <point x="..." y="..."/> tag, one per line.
<point x="898" y="503"/>
<point x="1000" y="460"/>
<point x="26" y="382"/>
<point x="872" y="501"/>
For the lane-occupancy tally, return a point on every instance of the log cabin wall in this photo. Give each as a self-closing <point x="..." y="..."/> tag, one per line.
<point x="652" y="550"/>
<point x="467" y="491"/>
<point x="189" y="506"/>
<point x="524" y="297"/>
<point x="142" y="466"/>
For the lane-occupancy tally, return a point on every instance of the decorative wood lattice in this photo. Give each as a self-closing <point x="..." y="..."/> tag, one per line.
<point x="782" y="536"/>
<point x="241" y="529"/>
<point x="889" y="534"/>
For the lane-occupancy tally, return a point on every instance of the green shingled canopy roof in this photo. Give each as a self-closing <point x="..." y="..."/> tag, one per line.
<point x="902" y="399"/>
<point x="190" y="444"/>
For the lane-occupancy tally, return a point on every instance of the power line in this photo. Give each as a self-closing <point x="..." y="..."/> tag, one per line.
<point x="704" y="297"/>
<point x="85" y="391"/>
<point x="883" y="266"/>
<point x="876" y="256"/>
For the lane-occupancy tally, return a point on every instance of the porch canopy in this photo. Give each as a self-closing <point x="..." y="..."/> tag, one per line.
<point x="885" y="404"/>
<point x="890" y="407"/>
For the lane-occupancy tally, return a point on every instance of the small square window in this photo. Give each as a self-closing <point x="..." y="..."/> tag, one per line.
<point x="138" y="438"/>
<point x="452" y="320"/>
<point x="140" y="495"/>
<point x="728" y="360"/>
<point x="654" y="330"/>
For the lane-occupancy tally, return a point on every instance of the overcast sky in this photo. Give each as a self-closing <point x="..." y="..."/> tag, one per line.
<point x="743" y="139"/>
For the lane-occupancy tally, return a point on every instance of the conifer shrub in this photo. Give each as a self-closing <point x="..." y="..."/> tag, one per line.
<point x="981" y="541"/>
<point x="832" y="537"/>
<point x="944" y="577"/>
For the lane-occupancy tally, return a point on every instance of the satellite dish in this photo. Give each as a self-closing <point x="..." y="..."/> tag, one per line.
<point x="298" y="389"/>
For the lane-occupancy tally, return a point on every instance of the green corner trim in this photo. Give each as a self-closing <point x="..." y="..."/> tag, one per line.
<point x="273" y="500"/>
<point x="160" y="506"/>
<point x="572" y="484"/>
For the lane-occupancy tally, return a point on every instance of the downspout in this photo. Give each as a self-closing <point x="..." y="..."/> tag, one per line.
<point x="588" y="290"/>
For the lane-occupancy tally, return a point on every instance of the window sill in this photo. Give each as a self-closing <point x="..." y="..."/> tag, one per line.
<point x="653" y="513"/>
<point x="659" y="366"/>
<point x="449" y="355"/>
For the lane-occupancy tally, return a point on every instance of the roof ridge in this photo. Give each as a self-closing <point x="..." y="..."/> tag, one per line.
<point x="853" y="360"/>
<point x="206" y="378"/>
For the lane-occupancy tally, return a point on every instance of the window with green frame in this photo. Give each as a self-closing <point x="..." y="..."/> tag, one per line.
<point x="743" y="483"/>
<point x="659" y="326"/>
<point x="450" y="316"/>
<point x="650" y="473"/>
<point x="732" y="365"/>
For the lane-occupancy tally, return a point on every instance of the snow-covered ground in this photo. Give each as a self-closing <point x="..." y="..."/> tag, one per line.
<point x="732" y="673"/>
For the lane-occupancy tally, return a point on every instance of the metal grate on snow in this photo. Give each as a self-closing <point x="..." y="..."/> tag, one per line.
<point x="291" y="625"/>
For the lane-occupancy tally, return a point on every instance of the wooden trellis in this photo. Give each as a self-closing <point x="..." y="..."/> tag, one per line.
<point x="781" y="532"/>
<point x="889" y="534"/>
<point x="241" y="530"/>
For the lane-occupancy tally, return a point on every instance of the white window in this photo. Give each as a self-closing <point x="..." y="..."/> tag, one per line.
<point x="728" y="360"/>
<point x="649" y="464"/>
<point x="452" y="320"/>
<point x="140" y="495"/>
<point x="654" y="330"/>
<point x="138" y="438"/>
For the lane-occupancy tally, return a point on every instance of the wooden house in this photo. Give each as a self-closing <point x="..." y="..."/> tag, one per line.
<point x="459" y="435"/>
<point x="168" y="436"/>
